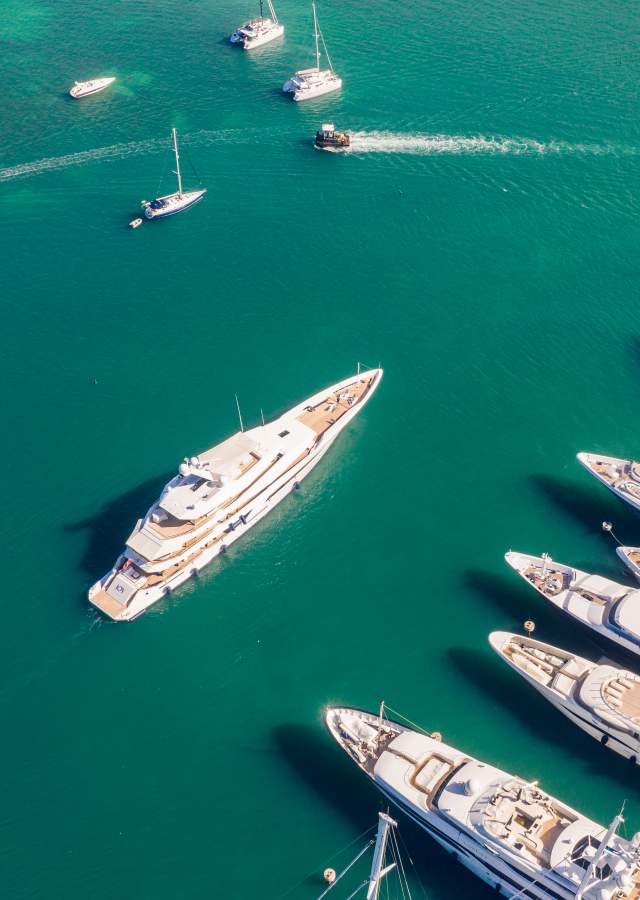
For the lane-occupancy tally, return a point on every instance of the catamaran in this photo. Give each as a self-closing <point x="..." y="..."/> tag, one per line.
<point x="170" y="204"/>
<point x="259" y="31"/>
<point x="309" y="83"/>
<point x="85" y="88"/>
<point x="507" y="831"/>
<point x="218" y="495"/>
<point x="600" y="698"/>
<point x="611" y="610"/>
<point x="622" y="476"/>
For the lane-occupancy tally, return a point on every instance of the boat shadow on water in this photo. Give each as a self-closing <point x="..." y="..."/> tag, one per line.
<point x="337" y="782"/>
<point x="544" y="723"/>
<point x="108" y="529"/>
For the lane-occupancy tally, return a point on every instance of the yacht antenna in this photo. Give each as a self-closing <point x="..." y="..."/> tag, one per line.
<point x="315" y="34"/>
<point x="239" y="414"/>
<point x="175" y="150"/>
<point x="385" y="823"/>
<point x="588" y="875"/>
<point x="358" y="369"/>
<point x="380" y="717"/>
<point x="261" y="10"/>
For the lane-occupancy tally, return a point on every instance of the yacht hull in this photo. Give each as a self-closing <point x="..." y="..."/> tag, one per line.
<point x="217" y="541"/>
<point x="253" y="43"/>
<point x="299" y="91"/>
<point x="189" y="199"/>
<point x="616" y="474"/>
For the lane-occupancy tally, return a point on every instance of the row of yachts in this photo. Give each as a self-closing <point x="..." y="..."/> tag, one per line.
<point x="508" y="831"/>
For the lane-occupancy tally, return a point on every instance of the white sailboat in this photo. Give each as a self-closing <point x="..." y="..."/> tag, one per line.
<point x="170" y="204"/>
<point x="309" y="83"/>
<point x="259" y="31"/>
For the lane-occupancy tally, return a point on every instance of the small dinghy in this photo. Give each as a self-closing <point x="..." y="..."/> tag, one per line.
<point x="85" y="88"/>
<point x="327" y="138"/>
<point x="135" y="223"/>
<point x="170" y="204"/>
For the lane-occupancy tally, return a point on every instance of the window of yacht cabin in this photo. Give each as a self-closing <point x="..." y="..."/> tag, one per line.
<point x="283" y="434"/>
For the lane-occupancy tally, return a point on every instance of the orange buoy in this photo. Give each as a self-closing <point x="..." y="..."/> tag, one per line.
<point x="329" y="875"/>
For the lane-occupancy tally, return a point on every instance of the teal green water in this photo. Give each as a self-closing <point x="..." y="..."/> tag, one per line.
<point x="483" y="248"/>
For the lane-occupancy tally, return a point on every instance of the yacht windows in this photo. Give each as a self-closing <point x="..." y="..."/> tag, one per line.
<point x="283" y="433"/>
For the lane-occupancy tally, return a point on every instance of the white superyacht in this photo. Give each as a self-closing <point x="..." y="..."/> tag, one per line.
<point x="509" y="832"/>
<point x="314" y="82"/>
<point x="600" y="698"/>
<point x="259" y="31"/>
<point x="217" y="496"/>
<point x="610" y="609"/>
<point x="622" y="476"/>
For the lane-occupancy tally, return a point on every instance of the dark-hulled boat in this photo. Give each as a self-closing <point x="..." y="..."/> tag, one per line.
<point x="327" y="138"/>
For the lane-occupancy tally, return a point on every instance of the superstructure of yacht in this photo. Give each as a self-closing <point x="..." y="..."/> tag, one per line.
<point x="85" y="88"/>
<point x="509" y="832"/>
<point x="309" y="83"/>
<point x="599" y="698"/>
<point x="220" y="494"/>
<point x="170" y="204"/>
<point x="259" y="31"/>
<point x="609" y="609"/>
<point x="622" y="476"/>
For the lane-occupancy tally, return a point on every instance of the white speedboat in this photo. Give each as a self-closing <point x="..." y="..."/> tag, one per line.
<point x="609" y="609"/>
<point x="169" y="204"/>
<point x="509" y="832"/>
<point x="622" y="476"/>
<point x="599" y="698"/>
<point x="85" y="88"/>
<point x="309" y="83"/>
<point x="259" y="31"/>
<point x="217" y="496"/>
<point x="630" y="556"/>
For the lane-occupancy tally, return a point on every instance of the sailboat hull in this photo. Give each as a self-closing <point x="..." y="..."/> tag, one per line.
<point x="171" y="204"/>
<point x="311" y="84"/>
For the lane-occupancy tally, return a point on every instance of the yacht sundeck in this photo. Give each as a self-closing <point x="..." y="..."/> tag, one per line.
<point x="622" y="476"/>
<point x="610" y="609"/>
<point x="309" y="83"/>
<point x="259" y="31"/>
<point x="599" y="698"/>
<point x="327" y="138"/>
<point x="509" y="832"/>
<point x="85" y="88"/>
<point x="220" y="494"/>
<point x="170" y="204"/>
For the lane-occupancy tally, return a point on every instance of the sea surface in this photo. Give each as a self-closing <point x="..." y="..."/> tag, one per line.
<point x="480" y="242"/>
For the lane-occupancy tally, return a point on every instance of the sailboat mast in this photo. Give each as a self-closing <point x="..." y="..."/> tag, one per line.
<point x="175" y="150"/>
<point x="261" y="10"/>
<point x="315" y="34"/>
<point x="385" y="822"/>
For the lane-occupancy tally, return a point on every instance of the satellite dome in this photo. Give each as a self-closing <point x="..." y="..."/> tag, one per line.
<point x="194" y="461"/>
<point x="184" y="468"/>
<point x="471" y="787"/>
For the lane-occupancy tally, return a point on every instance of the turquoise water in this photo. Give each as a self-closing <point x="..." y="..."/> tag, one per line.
<point x="481" y="244"/>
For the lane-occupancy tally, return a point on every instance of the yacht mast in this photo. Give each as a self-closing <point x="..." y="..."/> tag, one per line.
<point x="588" y="875"/>
<point x="175" y="150"/>
<point x="385" y="822"/>
<point x="261" y="10"/>
<point x="315" y="34"/>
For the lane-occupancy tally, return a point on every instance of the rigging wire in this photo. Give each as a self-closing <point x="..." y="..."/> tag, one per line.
<point x="408" y="721"/>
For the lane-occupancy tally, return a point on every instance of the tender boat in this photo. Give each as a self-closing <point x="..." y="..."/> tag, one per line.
<point x="217" y="496"/>
<point x="507" y="831"/>
<point x="622" y="476"/>
<point x="327" y="138"/>
<point x="135" y="223"/>
<point x="170" y="204"/>
<point x="609" y="609"/>
<point x="309" y="83"/>
<point x="599" y="698"/>
<point x="259" y="31"/>
<point x="85" y="88"/>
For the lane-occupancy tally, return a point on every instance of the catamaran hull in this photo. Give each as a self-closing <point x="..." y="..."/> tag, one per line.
<point x="245" y="518"/>
<point x="253" y="44"/>
<point x="311" y="93"/>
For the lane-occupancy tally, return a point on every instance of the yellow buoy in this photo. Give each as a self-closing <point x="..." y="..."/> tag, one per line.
<point x="329" y="875"/>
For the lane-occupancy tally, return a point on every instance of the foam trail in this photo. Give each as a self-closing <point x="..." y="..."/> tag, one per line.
<point x="434" y="144"/>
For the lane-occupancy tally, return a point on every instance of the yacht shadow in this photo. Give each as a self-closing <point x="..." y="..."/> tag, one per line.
<point x="589" y="506"/>
<point x="507" y="688"/>
<point x="506" y="592"/>
<point x="336" y="781"/>
<point x="110" y="526"/>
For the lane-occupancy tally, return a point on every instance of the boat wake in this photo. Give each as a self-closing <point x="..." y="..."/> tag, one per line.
<point x="435" y="144"/>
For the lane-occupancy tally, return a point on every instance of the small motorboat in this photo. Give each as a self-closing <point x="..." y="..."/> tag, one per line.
<point x="327" y="138"/>
<point x="135" y="223"/>
<point x="85" y="88"/>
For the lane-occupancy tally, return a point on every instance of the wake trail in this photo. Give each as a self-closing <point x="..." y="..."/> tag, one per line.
<point x="446" y="144"/>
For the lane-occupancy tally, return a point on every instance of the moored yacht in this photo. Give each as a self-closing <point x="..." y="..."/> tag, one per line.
<point x="85" y="88"/>
<point x="509" y="832"/>
<point x="259" y="31"/>
<point x="309" y="83"/>
<point x="599" y="698"/>
<point x="622" y="476"/>
<point x="610" y="609"/>
<point x="169" y="204"/>
<point x="220" y="494"/>
<point x="630" y="556"/>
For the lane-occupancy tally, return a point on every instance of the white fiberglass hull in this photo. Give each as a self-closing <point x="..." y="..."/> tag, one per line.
<point x="302" y="89"/>
<point x="621" y="476"/>
<point x="260" y="40"/>
<point x="87" y="88"/>
<point x="173" y="203"/>
<point x="630" y="556"/>
<point x="245" y="517"/>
